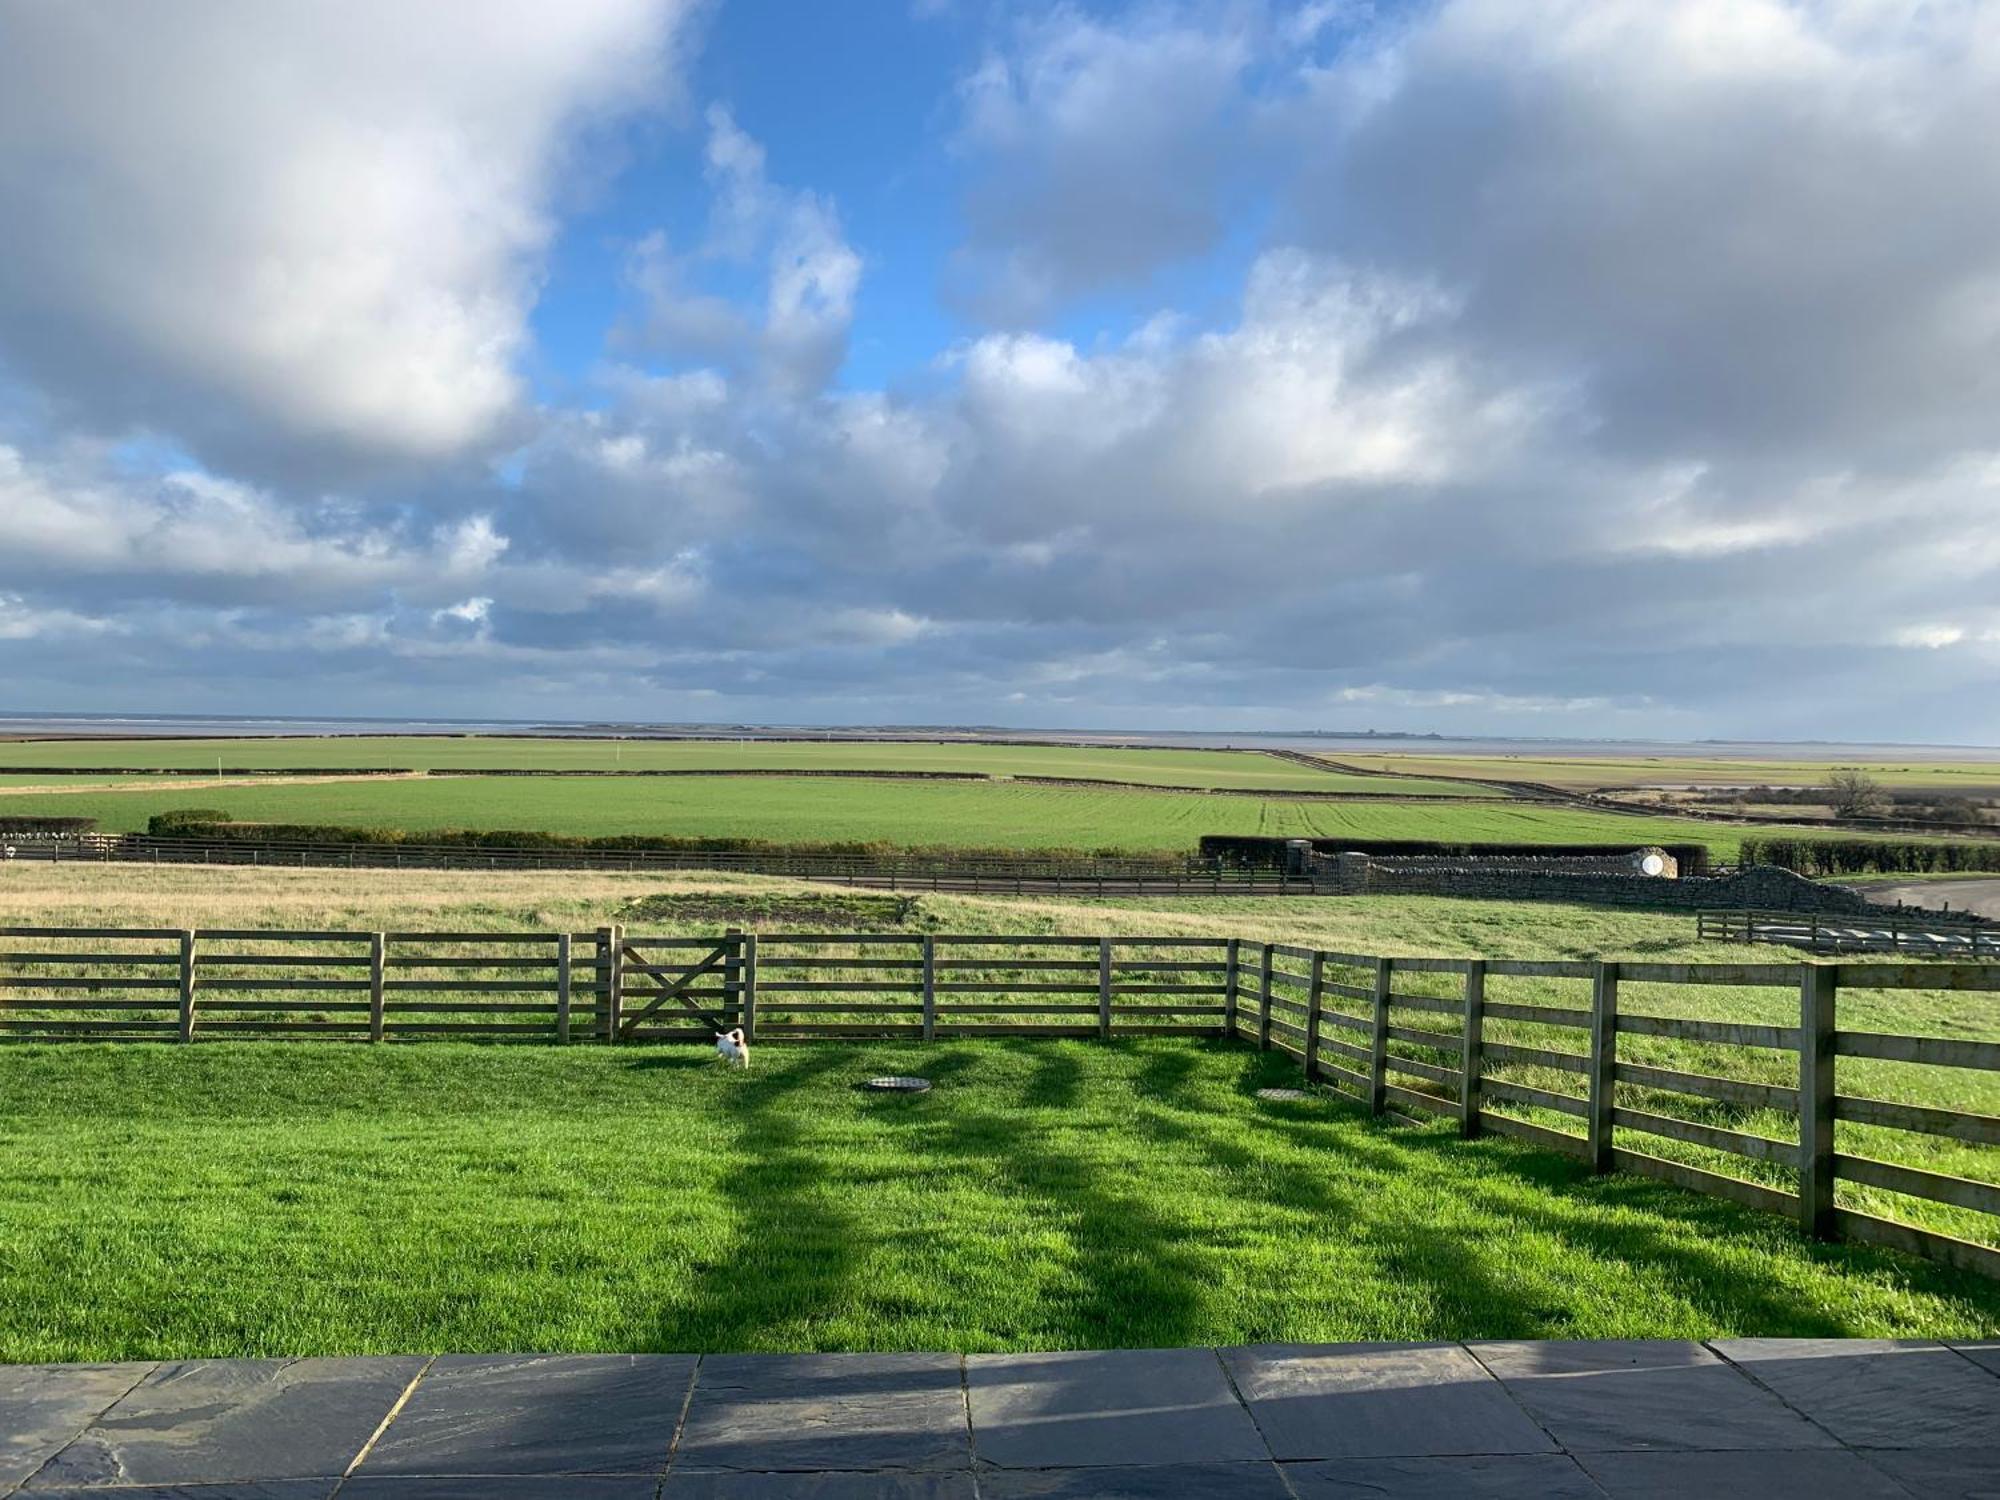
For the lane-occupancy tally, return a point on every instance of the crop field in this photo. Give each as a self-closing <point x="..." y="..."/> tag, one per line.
<point x="975" y="814"/>
<point x="1158" y="767"/>
<point x="1968" y="778"/>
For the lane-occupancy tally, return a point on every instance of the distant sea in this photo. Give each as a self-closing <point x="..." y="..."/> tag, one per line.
<point x="197" y="726"/>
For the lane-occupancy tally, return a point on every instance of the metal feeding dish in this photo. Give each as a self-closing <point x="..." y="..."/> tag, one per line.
<point x="899" y="1085"/>
<point x="1283" y="1096"/>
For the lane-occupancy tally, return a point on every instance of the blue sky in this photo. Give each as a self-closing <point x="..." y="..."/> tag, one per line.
<point x="858" y="102"/>
<point x="1488" y="366"/>
<point x="853" y="100"/>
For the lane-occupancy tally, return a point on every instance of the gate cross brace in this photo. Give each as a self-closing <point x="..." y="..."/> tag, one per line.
<point x="662" y="995"/>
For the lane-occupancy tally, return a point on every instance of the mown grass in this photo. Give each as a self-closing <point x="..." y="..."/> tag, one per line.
<point x="984" y="815"/>
<point x="260" y="1199"/>
<point x="1163" y="767"/>
<point x="706" y="904"/>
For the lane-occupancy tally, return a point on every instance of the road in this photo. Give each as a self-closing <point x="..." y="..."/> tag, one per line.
<point x="1979" y="896"/>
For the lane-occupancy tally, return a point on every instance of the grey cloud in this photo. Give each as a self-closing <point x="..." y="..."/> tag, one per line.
<point x="1753" y="227"/>
<point x="1099" y="153"/>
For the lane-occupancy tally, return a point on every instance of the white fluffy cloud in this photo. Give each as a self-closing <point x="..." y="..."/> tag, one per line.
<point x="795" y="342"/>
<point x="295" y="224"/>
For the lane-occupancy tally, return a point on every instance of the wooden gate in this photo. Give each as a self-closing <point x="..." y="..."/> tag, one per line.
<point x="672" y="989"/>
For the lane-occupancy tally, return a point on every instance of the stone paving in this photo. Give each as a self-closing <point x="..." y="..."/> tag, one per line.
<point x="1820" y="1419"/>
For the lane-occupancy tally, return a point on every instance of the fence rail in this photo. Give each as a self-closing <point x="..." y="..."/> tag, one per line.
<point x="1551" y="1052"/>
<point x="1888" y="929"/>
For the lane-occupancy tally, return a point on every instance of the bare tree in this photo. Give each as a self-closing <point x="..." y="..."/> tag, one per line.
<point x="1855" y="794"/>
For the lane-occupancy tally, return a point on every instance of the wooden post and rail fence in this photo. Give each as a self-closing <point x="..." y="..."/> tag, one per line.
<point x="1028" y="872"/>
<point x="1475" y="1040"/>
<point x="1885" y="929"/>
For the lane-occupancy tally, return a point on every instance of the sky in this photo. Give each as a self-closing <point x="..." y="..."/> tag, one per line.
<point x="1561" y="368"/>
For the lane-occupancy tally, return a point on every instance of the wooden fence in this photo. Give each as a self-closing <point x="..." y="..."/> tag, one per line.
<point x="1564" y="1054"/>
<point x="1027" y="873"/>
<point x="1889" y="929"/>
<point x="1364" y="1026"/>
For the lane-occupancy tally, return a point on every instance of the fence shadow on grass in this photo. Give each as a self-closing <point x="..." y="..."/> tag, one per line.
<point x="795" y="1250"/>
<point x="1569" y="1203"/>
<point x="1130" y="1268"/>
<point x="1134" y="1279"/>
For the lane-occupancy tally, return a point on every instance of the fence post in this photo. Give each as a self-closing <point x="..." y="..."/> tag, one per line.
<point x="1313" y="994"/>
<point x="1818" y="996"/>
<point x="562" y="986"/>
<point x="1475" y="1027"/>
<point x="1104" y="989"/>
<point x="1603" y="1063"/>
<point x="1378" y="1051"/>
<point x="747" y="1008"/>
<point x="1264" y="1002"/>
<point x="611" y="976"/>
<point x="378" y="963"/>
<point x="601" y="981"/>
<point x="930" y="989"/>
<point x="1231" y="981"/>
<point x="187" y="986"/>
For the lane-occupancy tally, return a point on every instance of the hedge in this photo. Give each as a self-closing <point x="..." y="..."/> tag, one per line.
<point x="1870" y="856"/>
<point x="206" y="825"/>
<point x="46" y="827"/>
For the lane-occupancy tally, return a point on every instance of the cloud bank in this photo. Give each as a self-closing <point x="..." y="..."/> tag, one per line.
<point x="1618" y="367"/>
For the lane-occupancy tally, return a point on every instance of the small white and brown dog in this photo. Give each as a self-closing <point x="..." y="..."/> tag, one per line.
<point x="733" y="1046"/>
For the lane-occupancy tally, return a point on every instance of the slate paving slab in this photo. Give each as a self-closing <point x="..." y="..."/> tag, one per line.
<point x="486" y="1487"/>
<point x="826" y="1411"/>
<point x="537" y="1414"/>
<point x="1985" y="1355"/>
<point x="1530" y="1477"/>
<point x="1241" y="1481"/>
<point x="1878" y="1393"/>
<point x="1943" y="1473"/>
<point x="1644" y="1393"/>
<point x="1106" y="1408"/>
<point x="1772" y="1419"/>
<point x="44" y="1407"/>
<point x="1811" y="1474"/>
<point x="249" y="1489"/>
<point x="1362" y="1400"/>
<point x="874" y="1485"/>
<point x="233" y="1420"/>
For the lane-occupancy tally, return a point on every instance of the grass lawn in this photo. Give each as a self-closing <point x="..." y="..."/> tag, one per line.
<point x="1161" y="767"/>
<point x="986" y="815"/>
<point x="259" y="1199"/>
<point x="142" y="896"/>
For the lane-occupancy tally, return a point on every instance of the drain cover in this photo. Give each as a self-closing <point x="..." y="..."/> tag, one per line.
<point x="1286" y="1096"/>
<point x="900" y="1085"/>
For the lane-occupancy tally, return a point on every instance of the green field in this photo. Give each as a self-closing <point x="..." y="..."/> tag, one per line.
<point x="1166" y="767"/>
<point x="1971" y="778"/>
<point x="143" y="896"/>
<point x="297" y="1199"/>
<point x="996" y="815"/>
